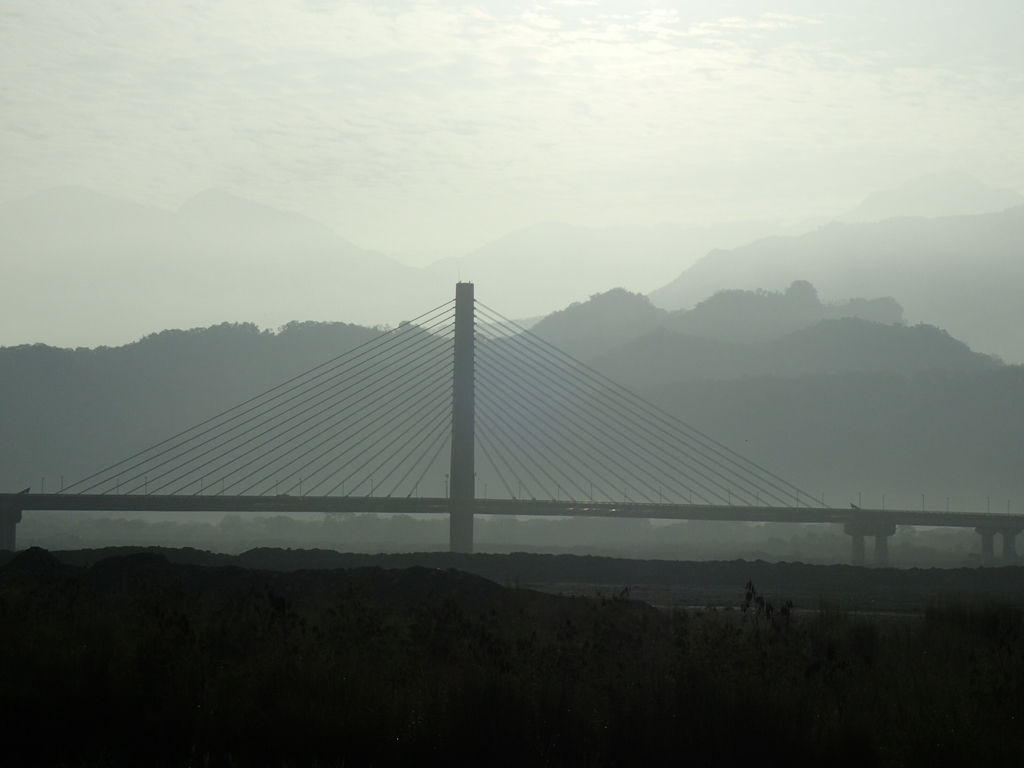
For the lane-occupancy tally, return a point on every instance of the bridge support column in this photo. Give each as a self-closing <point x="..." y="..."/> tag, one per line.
<point x="462" y="492"/>
<point x="1009" y="536"/>
<point x="881" y="529"/>
<point x="9" y="519"/>
<point x="859" y="556"/>
<point x="881" y="549"/>
<point x="987" y="550"/>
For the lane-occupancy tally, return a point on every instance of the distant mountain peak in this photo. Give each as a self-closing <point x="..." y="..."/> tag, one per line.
<point x="219" y="204"/>
<point x="212" y="194"/>
<point x="218" y="210"/>
<point x="66" y="192"/>
<point x="953" y="193"/>
<point x="72" y="199"/>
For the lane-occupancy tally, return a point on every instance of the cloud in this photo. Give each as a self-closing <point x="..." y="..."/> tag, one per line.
<point x="407" y="122"/>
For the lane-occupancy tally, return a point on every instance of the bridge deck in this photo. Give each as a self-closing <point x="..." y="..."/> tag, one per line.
<point x="403" y="505"/>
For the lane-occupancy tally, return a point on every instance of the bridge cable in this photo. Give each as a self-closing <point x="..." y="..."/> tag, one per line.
<point x="338" y="360"/>
<point x="551" y="460"/>
<point x="486" y="380"/>
<point x="269" y="417"/>
<point x="632" y="435"/>
<point x="430" y="439"/>
<point x="484" y="434"/>
<point x="405" y="445"/>
<point x="589" y="426"/>
<point x="337" y="430"/>
<point x="625" y="419"/>
<point x="386" y="445"/>
<point x="227" y="440"/>
<point x="499" y="433"/>
<point x="283" y="428"/>
<point x="584" y="432"/>
<point x="337" y="423"/>
<point x="483" y="443"/>
<point x="268" y="407"/>
<point x="646" y="412"/>
<point x="433" y="459"/>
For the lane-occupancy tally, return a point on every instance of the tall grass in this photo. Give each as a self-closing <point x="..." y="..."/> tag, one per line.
<point x="160" y="674"/>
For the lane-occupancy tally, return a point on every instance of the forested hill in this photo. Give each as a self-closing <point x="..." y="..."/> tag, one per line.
<point x="609" y="320"/>
<point x="70" y="412"/>
<point x="830" y="346"/>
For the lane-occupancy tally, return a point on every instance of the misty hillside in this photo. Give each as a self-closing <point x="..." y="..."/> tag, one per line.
<point x="605" y="321"/>
<point x="945" y="434"/>
<point x="610" y="319"/>
<point x="98" y="270"/>
<point x="749" y="316"/>
<point x="547" y="265"/>
<point x="962" y="273"/>
<point x="830" y="346"/>
<point x="122" y="269"/>
<point x="934" y="195"/>
<point x="550" y="264"/>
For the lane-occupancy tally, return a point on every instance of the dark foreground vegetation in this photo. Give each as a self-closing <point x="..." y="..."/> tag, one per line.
<point x="137" y="660"/>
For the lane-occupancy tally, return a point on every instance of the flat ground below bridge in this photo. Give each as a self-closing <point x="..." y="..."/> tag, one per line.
<point x="662" y="583"/>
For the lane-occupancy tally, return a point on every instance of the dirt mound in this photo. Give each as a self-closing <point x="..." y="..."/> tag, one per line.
<point x="400" y="589"/>
<point x="85" y="558"/>
<point x="34" y="560"/>
<point x="658" y="582"/>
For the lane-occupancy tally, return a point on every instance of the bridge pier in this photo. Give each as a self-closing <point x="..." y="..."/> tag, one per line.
<point x="9" y="519"/>
<point x="880" y="529"/>
<point x="460" y="528"/>
<point x="882" y="548"/>
<point x="859" y="555"/>
<point x="1009" y="541"/>
<point x="1009" y="536"/>
<point x="988" y="553"/>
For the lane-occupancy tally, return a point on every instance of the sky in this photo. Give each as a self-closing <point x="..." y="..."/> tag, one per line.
<point x="426" y="129"/>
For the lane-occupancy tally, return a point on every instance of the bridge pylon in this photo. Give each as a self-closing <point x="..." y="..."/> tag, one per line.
<point x="462" y="489"/>
<point x="9" y="519"/>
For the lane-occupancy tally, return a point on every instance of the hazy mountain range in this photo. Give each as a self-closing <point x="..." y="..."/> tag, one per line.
<point x="91" y="269"/>
<point x="963" y="273"/>
<point x="829" y="347"/>
<point x="736" y="334"/>
<point x="611" y="319"/>
<point x="85" y="260"/>
<point x="121" y="270"/>
<point x="536" y="270"/>
<point x="941" y="194"/>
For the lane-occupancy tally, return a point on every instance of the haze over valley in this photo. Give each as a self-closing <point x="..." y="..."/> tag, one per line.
<point x="123" y="270"/>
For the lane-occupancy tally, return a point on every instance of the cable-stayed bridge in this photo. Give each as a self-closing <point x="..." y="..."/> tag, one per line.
<point x="462" y="412"/>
